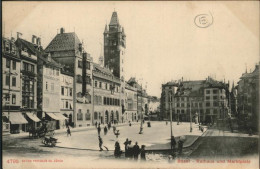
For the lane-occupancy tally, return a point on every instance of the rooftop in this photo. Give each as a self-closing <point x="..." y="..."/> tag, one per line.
<point x="64" y="42"/>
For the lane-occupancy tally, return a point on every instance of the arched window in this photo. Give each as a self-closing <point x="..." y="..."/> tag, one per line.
<point x="79" y="115"/>
<point x="87" y="115"/>
<point x="95" y="115"/>
<point x="105" y="101"/>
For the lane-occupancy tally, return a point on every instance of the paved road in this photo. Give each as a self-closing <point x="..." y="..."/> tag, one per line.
<point x="223" y="144"/>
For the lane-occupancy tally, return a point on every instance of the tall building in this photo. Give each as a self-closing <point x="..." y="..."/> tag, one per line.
<point x="29" y="52"/>
<point x="66" y="94"/>
<point x="66" y="49"/>
<point x="48" y="91"/>
<point x="142" y="98"/>
<point x="248" y="99"/>
<point x="130" y="103"/>
<point x="203" y="100"/>
<point x="106" y="92"/>
<point x="11" y="89"/>
<point x="114" y="46"/>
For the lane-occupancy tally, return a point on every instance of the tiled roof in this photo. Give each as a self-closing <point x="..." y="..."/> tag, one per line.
<point x="28" y="45"/>
<point x="102" y="69"/>
<point x="44" y="58"/>
<point x="63" y="42"/>
<point x="114" y="19"/>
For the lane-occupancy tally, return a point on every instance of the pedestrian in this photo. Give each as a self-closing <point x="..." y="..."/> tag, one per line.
<point x="117" y="133"/>
<point x="96" y="124"/>
<point x="130" y="124"/>
<point x="136" y="151"/>
<point x="99" y="123"/>
<point x="117" y="151"/>
<point x="99" y="129"/>
<point x="100" y="143"/>
<point x="166" y="123"/>
<point x="105" y="130"/>
<point x="127" y="143"/>
<point x="142" y="152"/>
<point x="130" y="152"/>
<point x="173" y="143"/>
<point x="180" y="145"/>
<point x="68" y="131"/>
<point x="114" y="129"/>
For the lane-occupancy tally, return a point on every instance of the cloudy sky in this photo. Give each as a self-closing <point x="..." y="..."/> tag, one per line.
<point x="163" y="42"/>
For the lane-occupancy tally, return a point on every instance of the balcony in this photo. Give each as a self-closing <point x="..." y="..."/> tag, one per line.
<point x="28" y="73"/>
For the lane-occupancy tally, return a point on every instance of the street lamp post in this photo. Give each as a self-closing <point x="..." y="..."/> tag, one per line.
<point x="141" y="115"/>
<point x="199" y="112"/>
<point x="171" y="112"/>
<point x="190" y="117"/>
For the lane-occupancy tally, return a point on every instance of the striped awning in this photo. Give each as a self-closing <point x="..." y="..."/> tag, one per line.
<point x="33" y="117"/>
<point x="17" y="118"/>
<point x="60" y="116"/>
<point x="53" y="116"/>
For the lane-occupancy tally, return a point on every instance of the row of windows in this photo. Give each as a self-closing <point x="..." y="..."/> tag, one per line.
<point x="66" y="104"/>
<point x="52" y="71"/>
<point x="106" y="86"/>
<point x="207" y="111"/>
<point x="66" y="91"/>
<point x="7" y="99"/>
<point x="215" y="91"/>
<point x="28" y="67"/>
<point x="111" y="101"/>
<point x="49" y="87"/>
<point x="7" y="80"/>
<point x="188" y="105"/>
<point x="8" y="64"/>
<point x="80" y="115"/>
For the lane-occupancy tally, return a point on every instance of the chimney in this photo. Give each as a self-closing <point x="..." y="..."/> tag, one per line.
<point x="34" y="39"/>
<point x="80" y="47"/>
<point x="18" y="34"/>
<point x="62" y="30"/>
<point x="38" y="41"/>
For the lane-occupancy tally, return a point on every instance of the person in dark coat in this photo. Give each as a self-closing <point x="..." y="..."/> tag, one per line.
<point x="126" y="143"/>
<point x="109" y="126"/>
<point x="100" y="143"/>
<point x="180" y="146"/>
<point x="99" y="129"/>
<point x="173" y="143"/>
<point x="117" y="151"/>
<point x="68" y="131"/>
<point x="105" y="130"/>
<point x="142" y="152"/>
<point x="136" y="151"/>
<point x="96" y="124"/>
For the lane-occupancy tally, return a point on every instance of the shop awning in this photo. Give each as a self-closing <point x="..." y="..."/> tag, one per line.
<point x="60" y="116"/>
<point x="53" y="116"/>
<point x="33" y="117"/>
<point x="17" y="118"/>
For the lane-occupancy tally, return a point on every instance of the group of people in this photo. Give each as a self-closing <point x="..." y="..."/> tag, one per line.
<point x="134" y="151"/>
<point x="173" y="145"/>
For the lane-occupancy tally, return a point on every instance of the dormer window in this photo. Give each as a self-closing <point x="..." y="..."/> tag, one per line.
<point x="7" y="47"/>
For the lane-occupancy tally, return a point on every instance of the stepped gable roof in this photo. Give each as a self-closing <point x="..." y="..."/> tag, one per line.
<point x="114" y="19"/>
<point x="97" y="67"/>
<point x="63" y="42"/>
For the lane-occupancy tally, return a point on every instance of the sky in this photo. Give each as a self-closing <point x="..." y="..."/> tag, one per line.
<point x="163" y="43"/>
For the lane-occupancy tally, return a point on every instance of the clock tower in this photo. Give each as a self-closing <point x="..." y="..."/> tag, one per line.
<point x="114" y="47"/>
